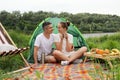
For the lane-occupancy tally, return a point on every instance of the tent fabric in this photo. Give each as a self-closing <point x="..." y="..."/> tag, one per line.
<point x="78" y="39"/>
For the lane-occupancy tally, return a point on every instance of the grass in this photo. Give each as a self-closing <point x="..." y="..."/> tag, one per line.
<point x="11" y="63"/>
<point x="104" y="42"/>
<point x="20" y="39"/>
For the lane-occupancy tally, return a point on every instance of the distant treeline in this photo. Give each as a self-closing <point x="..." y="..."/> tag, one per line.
<point x="87" y="23"/>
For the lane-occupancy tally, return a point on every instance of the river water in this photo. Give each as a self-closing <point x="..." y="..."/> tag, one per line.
<point x="96" y="34"/>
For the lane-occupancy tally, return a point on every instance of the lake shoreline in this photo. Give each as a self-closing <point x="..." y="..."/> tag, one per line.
<point x="88" y="35"/>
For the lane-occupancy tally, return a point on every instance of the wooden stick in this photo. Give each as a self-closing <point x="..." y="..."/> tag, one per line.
<point x="18" y="70"/>
<point x="25" y="60"/>
<point x="85" y="59"/>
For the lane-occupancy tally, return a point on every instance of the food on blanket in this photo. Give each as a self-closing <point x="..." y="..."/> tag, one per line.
<point x="113" y="54"/>
<point x="93" y="49"/>
<point x="99" y="51"/>
<point x="88" y="53"/>
<point x="107" y="51"/>
<point x="104" y="55"/>
<point x="115" y="50"/>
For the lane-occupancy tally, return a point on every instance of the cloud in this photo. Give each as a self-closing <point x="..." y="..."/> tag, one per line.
<point x="71" y="6"/>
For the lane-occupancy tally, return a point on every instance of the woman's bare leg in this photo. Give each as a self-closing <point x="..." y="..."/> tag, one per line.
<point x="60" y="56"/>
<point x="79" y="53"/>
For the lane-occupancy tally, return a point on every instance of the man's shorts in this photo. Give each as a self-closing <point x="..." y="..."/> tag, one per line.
<point x="47" y="57"/>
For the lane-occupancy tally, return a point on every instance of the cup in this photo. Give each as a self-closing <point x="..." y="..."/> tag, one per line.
<point x="43" y="58"/>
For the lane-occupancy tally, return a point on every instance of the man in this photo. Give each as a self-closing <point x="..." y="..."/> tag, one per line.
<point x="43" y="44"/>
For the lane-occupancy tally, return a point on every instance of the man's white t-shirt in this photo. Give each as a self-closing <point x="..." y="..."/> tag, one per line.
<point x="57" y="39"/>
<point x="44" y="44"/>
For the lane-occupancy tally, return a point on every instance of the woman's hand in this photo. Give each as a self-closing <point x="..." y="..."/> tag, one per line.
<point x="61" y="36"/>
<point x="66" y="36"/>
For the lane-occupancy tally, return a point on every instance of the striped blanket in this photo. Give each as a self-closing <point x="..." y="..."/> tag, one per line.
<point x="58" y="72"/>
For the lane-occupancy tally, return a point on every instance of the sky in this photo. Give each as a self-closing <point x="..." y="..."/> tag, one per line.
<point x="111" y="7"/>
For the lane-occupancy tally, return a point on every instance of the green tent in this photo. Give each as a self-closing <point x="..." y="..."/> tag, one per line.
<point x="79" y="41"/>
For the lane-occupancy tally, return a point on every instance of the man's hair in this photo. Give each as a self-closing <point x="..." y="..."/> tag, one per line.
<point x="45" y="24"/>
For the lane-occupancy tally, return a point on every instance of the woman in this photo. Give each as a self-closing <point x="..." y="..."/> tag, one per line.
<point x="64" y="46"/>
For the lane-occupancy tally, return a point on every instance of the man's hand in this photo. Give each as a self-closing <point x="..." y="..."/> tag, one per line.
<point x="34" y="65"/>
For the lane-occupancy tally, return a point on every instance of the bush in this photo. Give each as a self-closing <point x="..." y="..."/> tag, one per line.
<point x="104" y="42"/>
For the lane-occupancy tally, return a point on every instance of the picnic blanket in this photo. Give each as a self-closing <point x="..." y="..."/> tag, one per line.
<point x="58" y="72"/>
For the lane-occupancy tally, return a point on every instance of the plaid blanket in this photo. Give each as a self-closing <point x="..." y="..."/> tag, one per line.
<point x="57" y="72"/>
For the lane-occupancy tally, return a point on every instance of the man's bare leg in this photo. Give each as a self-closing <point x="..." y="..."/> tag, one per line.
<point x="50" y="59"/>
